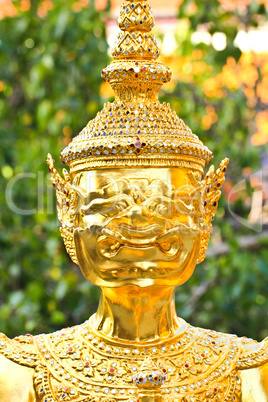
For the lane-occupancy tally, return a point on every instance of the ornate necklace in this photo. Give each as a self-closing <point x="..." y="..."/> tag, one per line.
<point x="84" y="366"/>
<point x="77" y="364"/>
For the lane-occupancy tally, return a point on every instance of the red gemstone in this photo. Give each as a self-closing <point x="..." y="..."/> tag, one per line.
<point x="164" y="370"/>
<point x="111" y="370"/>
<point x="203" y="355"/>
<point x="155" y="378"/>
<point x="65" y="192"/>
<point x="143" y="69"/>
<point x="205" y="203"/>
<point x="214" y="205"/>
<point x="136" y="75"/>
<point x="213" y="343"/>
<point x="132" y="145"/>
<point x="186" y="365"/>
<point x="70" y="349"/>
<point x="67" y="204"/>
<point x="143" y="144"/>
<point x="218" y="184"/>
<point x="138" y="151"/>
<point x="87" y="363"/>
<point x="49" y="169"/>
<point x="66" y="389"/>
<point x="137" y="138"/>
<point x="215" y="390"/>
<point x="136" y="63"/>
<point x="207" y="190"/>
<point x="224" y="169"/>
<point x="28" y="335"/>
<point x="140" y="379"/>
<point x="131" y="69"/>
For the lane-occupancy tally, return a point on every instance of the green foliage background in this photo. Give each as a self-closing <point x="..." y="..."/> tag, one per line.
<point x="51" y="72"/>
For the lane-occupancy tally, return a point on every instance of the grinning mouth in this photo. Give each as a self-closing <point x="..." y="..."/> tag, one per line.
<point x="138" y="232"/>
<point x="138" y="272"/>
<point x="167" y="242"/>
<point x="133" y="234"/>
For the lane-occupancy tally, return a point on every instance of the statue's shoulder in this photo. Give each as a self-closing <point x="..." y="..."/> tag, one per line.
<point x="20" y="350"/>
<point x="25" y="350"/>
<point x="253" y="354"/>
<point x="26" y="361"/>
<point x="252" y="367"/>
<point x="244" y="361"/>
<point x="246" y="352"/>
<point x="17" y="362"/>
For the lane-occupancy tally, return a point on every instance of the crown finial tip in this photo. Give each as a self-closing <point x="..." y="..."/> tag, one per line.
<point x="135" y="40"/>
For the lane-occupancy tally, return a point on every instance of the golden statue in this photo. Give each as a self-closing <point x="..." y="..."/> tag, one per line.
<point x="136" y="216"/>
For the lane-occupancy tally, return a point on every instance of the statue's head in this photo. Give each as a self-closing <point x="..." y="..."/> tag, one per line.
<point x="134" y="208"/>
<point x="142" y="226"/>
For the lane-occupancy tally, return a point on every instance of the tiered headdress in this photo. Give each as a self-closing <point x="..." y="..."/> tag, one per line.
<point x="135" y="130"/>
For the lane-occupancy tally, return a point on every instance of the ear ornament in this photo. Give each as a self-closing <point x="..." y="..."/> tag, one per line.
<point x="211" y="192"/>
<point x="66" y="206"/>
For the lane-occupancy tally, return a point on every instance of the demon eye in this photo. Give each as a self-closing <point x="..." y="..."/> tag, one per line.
<point x="106" y="207"/>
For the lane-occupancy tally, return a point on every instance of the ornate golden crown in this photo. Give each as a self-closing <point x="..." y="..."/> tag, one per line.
<point x="136" y="130"/>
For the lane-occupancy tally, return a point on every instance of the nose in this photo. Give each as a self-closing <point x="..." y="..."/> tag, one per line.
<point x="138" y="215"/>
<point x="138" y="197"/>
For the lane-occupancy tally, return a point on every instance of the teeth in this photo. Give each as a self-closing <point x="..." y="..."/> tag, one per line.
<point x="115" y="246"/>
<point x="165" y="246"/>
<point x="170" y="233"/>
<point x="133" y="271"/>
<point x="110" y="233"/>
<point x="151" y="272"/>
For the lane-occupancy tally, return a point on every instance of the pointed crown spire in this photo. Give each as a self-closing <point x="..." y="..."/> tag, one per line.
<point x="135" y="73"/>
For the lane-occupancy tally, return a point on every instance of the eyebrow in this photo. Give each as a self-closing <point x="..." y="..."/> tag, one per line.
<point x="99" y="202"/>
<point x="120" y="186"/>
<point x="107" y="191"/>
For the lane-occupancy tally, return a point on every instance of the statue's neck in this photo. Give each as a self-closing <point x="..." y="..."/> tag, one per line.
<point x="136" y="314"/>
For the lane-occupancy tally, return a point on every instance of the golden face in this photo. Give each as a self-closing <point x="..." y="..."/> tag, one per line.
<point x="138" y="226"/>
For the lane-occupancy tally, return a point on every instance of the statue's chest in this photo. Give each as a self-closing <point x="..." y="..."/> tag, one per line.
<point x="78" y="366"/>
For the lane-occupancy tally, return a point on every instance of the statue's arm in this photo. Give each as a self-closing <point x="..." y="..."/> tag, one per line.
<point x="16" y="382"/>
<point x="255" y="384"/>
